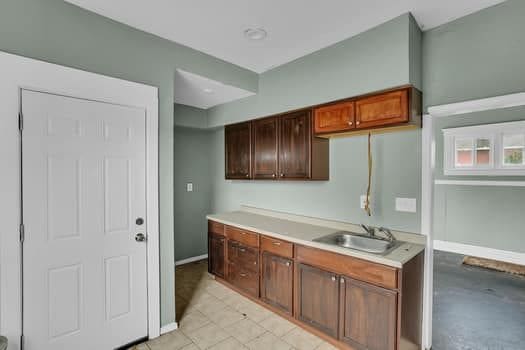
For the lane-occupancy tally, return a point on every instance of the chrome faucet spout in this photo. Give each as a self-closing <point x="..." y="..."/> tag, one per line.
<point x="387" y="233"/>
<point x="370" y="230"/>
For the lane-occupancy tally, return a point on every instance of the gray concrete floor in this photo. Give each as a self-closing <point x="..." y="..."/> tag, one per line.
<point x="476" y="308"/>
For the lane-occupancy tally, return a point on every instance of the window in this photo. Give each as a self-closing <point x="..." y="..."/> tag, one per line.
<point x="493" y="149"/>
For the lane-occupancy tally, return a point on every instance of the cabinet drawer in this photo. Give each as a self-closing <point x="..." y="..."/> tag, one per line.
<point x="242" y="255"/>
<point x="277" y="246"/>
<point x="244" y="279"/>
<point x="242" y="236"/>
<point x="379" y="275"/>
<point x="215" y="227"/>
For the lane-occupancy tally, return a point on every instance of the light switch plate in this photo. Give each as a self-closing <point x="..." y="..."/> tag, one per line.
<point x="408" y="205"/>
<point x="189" y="187"/>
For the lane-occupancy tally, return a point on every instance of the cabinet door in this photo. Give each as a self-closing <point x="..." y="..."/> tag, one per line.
<point x="265" y="148"/>
<point x="243" y="278"/>
<point x="238" y="150"/>
<point x="277" y="282"/>
<point x="382" y="110"/>
<point x="318" y="299"/>
<point x="368" y="315"/>
<point x="334" y="118"/>
<point x="294" y="145"/>
<point x="216" y="249"/>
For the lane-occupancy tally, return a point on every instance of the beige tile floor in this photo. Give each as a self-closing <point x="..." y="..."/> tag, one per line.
<point x="214" y="317"/>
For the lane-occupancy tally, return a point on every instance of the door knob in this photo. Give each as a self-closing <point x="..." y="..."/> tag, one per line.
<point x="140" y="237"/>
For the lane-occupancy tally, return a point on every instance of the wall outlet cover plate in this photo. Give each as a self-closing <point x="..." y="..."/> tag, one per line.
<point x="408" y="205"/>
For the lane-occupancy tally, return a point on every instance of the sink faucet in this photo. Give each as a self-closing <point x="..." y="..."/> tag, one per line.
<point x="387" y="233"/>
<point x="370" y="230"/>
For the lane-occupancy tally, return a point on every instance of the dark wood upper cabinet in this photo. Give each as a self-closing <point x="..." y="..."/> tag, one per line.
<point x="318" y="299"/>
<point x="336" y="117"/>
<point x="238" y="156"/>
<point x="294" y="145"/>
<point x="277" y="282"/>
<point x="265" y="148"/>
<point x="383" y="109"/>
<point x="368" y="315"/>
<point x="216" y="252"/>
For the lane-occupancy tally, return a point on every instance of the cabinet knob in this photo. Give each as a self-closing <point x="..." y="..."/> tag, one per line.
<point x="247" y="175"/>
<point x="350" y="123"/>
<point x="282" y="175"/>
<point x="255" y="262"/>
<point x="333" y="278"/>
<point x="288" y="263"/>
<point x="358" y="122"/>
<point x="342" y="280"/>
<point x="274" y="175"/>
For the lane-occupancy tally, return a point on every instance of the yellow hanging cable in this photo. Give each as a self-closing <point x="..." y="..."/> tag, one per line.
<point x="367" y="202"/>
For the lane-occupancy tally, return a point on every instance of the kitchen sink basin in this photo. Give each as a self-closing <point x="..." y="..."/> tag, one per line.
<point x="358" y="241"/>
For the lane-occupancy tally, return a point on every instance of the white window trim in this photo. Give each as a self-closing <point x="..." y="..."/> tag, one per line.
<point x="493" y="132"/>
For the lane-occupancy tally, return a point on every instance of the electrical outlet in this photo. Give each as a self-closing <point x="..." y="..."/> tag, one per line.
<point x="408" y="205"/>
<point x="362" y="201"/>
<point x="189" y="187"/>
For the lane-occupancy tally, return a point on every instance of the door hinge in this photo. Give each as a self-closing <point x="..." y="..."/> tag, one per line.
<point x="22" y="233"/>
<point x="20" y="121"/>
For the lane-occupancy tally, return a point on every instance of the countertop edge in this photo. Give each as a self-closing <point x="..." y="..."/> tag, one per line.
<point x="364" y="256"/>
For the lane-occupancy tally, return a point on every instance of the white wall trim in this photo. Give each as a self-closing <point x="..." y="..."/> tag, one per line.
<point x="170" y="327"/>
<point x="19" y="72"/>
<point x="427" y="205"/>
<point x="481" y="252"/>
<point x="484" y="104"/>
<point x="480" y="183"/>
<point x="190" y="260"/>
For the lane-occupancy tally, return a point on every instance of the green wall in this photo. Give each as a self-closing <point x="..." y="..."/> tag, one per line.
<point x="192" y="164"/>
<point x="58" y="32"/>
<point x="386" y="56"/>
<point x="477" y="56"/>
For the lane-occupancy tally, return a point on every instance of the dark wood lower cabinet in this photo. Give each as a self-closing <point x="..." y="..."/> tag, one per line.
<point x="277" y="282"/>
<point x="368" y="315"/>
<point x="318" y="299"/>
<point x="244" y="279"/>
<point x="216" y="252"/>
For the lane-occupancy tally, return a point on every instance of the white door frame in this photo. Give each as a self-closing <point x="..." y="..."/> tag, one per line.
<point x="427" y="208"/>
<point x="18" y="73"/>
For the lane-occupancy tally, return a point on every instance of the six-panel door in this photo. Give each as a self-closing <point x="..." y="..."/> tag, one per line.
<point x="368" y="315"/>
<point x="84" y="189"/>
<point x="238" y="143"/>
<point x="277" y="281"/>
<point x="294" y="145"/>
<point x="318" y="299"/>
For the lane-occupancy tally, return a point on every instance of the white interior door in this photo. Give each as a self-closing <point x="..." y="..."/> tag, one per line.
<point x="85" y="279"/>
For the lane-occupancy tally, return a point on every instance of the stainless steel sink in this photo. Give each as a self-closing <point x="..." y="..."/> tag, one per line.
<point x="358" y="241"/>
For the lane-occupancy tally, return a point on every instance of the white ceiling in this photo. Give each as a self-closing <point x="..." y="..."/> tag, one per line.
<point x="295" y="27"/>
<point x="201" y="92"/>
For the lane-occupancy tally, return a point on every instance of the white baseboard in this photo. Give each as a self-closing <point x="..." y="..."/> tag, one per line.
<point x="192" y="259"/>
<point x="481" y="252"/>
<point x="169" y="328"/>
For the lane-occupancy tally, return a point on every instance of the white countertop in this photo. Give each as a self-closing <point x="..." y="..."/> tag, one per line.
<point x="304" y="233"/>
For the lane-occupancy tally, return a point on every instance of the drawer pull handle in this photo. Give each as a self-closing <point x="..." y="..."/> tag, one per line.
<point x="277" y="243"/>
<point x="242" y="275"/>
<point x="242" y="250"/>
